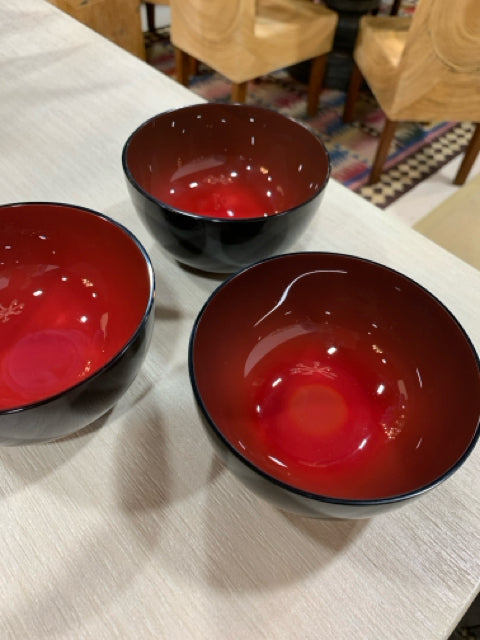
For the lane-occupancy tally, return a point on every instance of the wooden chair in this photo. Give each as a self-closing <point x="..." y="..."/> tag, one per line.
<point x="424" y="69"/>
<point x="245" y="39"/>
<point x="117" y="20"/>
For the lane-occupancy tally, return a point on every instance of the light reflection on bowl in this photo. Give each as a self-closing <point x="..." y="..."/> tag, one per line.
<point x="221" y="186"/>
<point x="76" y="295"/>
<point x="334" y="386"/>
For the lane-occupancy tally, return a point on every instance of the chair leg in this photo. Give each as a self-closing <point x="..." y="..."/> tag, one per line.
<point x="239" y="91"/>
<point x="315" y="84"/>
<point x="182" y="66"/>
<point x="194" y="66"/>
<point x="395" y="7"/>
<point x="471" y="153"/>
<point x="382" y="150"/>
<point x="150" y="7"/>
<point x="355" y="83"/>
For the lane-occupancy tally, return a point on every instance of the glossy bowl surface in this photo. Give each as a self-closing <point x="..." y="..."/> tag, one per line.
<point x="76" y="292"/>
<point x="334" y="385"/>
<point x="221" y="186"/>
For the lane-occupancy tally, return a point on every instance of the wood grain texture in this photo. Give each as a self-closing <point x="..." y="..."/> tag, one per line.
<point x="426" y="68"/>
<point x="244" y="39"/>
<point x="132" y="528"/>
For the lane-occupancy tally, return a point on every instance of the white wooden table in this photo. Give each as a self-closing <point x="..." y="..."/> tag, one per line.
<point x="133" y="529"/>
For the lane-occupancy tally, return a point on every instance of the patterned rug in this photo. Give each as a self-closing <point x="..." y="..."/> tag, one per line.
<point x="418" y="150"/>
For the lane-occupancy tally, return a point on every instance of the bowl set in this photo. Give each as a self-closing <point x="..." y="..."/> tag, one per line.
<point x="330" y="385"/>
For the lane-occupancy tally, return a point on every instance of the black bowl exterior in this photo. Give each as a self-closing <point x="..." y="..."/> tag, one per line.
<point x="253" y="136"/>
<point x="78" y="406"/>
<point x="81" y="405"/>
<point x="222" y="245"/>
<point x="286" y="498"/>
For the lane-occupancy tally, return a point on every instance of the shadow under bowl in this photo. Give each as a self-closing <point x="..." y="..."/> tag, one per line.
<point x="334" y="386"/>
<point x="221" y="186"/>
<point x="76" y="300"/>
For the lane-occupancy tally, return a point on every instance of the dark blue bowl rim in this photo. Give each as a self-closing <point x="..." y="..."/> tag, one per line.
<point x="196" y="216"/>
<point x="133" y="337"/>
<point x="320" y="498"/>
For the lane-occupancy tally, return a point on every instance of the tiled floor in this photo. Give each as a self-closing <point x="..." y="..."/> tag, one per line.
<point x="418" y="202"/>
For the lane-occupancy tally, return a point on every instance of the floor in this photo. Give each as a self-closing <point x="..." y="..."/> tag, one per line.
<point x="421" y="200"/>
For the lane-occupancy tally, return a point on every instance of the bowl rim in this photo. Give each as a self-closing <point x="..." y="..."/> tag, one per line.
<point x="220" y="220"/>
<point x="119" y="354"/>
<point x="321" y="498"/>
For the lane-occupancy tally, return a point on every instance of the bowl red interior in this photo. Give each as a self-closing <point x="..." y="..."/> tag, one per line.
<point x="337" y="376"/>
<point x="74" y="288"/>
<point x="227" y="161"/>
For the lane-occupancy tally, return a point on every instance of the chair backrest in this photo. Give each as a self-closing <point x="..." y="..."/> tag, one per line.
<point x="439" y="72"/>
<point x="244" y="39"/>
<point x="210" y="27"/>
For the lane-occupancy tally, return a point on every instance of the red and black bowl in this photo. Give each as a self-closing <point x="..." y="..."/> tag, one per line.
<point x="334" y="386"/>
<point x="76" y="300"/>
<point x="220" y="186"/>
